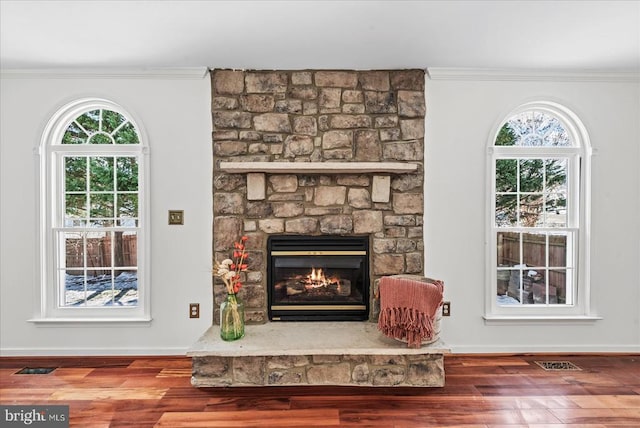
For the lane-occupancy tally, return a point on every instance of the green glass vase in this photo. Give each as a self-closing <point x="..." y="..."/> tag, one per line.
<point x="231" y="318"/>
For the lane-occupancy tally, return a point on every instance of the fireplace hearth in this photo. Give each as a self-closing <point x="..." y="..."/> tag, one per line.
<point x="318" y="278"/>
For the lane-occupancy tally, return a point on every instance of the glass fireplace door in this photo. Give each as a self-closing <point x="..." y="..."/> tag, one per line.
<point x="329" y="282"/>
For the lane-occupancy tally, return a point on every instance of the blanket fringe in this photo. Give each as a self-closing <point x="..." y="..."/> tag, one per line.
<point x="406" y="324"/>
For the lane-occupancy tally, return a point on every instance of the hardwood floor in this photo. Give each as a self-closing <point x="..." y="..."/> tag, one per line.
<point x="480" y="391"/>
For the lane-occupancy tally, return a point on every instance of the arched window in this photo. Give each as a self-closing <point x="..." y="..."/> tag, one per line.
<point x="93" y="215"/>
<point x="539" y="217"/>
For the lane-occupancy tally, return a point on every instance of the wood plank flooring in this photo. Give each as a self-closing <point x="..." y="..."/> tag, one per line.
<point x="481" y="391"/>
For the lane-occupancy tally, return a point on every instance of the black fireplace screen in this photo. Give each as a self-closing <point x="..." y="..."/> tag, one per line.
<point x="318" y="278"/>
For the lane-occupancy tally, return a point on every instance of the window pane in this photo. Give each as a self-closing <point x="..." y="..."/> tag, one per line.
<point x="531" y="210"/>
<point x="507" y="295"/>
<point x="531" y="175"/>
<point x="74" y="253"/>
<point x="506" y="136"/>
<point x="506" y="175"/>
<point x="559" y="280"/>
<point x="76" y="207"/>
<point x="556" y="175"/>
<point x="99" y="259"/>
<point x="126" y="284"/>
<point x="127" y="206"/>
<point x="100" y="138"/>
<point x="556" y="210"/>
<point x="74" y="288"/>
<point x="506" y="210"/>
<point x="508" y="244"/>
<point x="540" y="293"/>
<point x="529" y="278"/>
<point x="73" y="276"/>
<point x="74" y="135"/>
<point x="102" y="206"/>
<point x="508" y="271"/>
<point x="558" y="250"/>
<point x="111" y="120"/>
<point x="101" y="173"/>
<point x="125" y="249"/>
<point x="100" y="291"/>
<point x="126" y="135"/>
<point x="534" y="129"/>
<point x="515" y="281"/>
<point x="75" y="169"/>
<point x="127" y="222"/>
<point x="127" y="174"/>
<point x="555" y="134"/>
<point x="90" y="121"/>
<point x="508" y="285"/>
<point x="534" y="249"/>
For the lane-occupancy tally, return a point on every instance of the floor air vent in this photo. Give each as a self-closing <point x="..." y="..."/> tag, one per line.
<point x="36" y="370"/>
<point x="557" y="365"/>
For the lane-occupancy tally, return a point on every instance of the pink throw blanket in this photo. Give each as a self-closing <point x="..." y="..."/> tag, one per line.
<point x="408" y="308"/>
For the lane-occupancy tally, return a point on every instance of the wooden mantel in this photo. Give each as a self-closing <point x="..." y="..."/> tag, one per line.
<point x="319" y="167"/>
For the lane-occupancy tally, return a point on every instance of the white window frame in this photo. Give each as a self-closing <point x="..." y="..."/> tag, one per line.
<point x="51" y="175"/>
<point x="578" y="157"/>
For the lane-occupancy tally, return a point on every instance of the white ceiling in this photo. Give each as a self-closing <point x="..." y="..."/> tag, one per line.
<point x="540" y="35"/>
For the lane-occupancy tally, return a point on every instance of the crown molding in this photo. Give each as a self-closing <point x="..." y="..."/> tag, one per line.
<point x="444" y="73"/>
<point x="107" y="73"/>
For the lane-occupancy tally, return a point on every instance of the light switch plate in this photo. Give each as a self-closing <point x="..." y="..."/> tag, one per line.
<point x="176" y="217"/>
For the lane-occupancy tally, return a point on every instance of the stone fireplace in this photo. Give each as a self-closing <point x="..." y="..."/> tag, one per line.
<point x="318" y="154"/>
<point x="328" y="167"/>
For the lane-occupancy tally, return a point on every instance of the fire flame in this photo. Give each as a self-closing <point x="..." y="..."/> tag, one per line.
<point x="318" y="279"/>
<point x="316" y="275"/>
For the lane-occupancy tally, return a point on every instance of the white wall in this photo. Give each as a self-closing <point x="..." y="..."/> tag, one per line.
<point x="462" y="111"/>
<point x="174" y="111"/>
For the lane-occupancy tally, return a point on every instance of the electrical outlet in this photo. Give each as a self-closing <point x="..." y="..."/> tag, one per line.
<point x="446" y="309"/>
<point x="194" y="310"/>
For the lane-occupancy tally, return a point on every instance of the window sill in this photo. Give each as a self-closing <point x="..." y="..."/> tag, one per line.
<point x="539" y="319"/>
<point x="91" y="322"/>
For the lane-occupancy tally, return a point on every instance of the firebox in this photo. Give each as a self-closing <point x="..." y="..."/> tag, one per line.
<point x="318" y="278"/>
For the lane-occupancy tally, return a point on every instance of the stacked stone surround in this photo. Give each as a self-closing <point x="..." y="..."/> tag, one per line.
<point x="421" y="370"/>
<point x="317" y="116"/>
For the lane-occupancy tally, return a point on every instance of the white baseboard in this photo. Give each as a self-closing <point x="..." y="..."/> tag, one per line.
<point x="74" y="352"/>
<point x="543" y="349"/>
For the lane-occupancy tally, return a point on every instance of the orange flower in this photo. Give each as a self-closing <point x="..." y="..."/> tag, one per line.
<point x="229" y="271"/>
